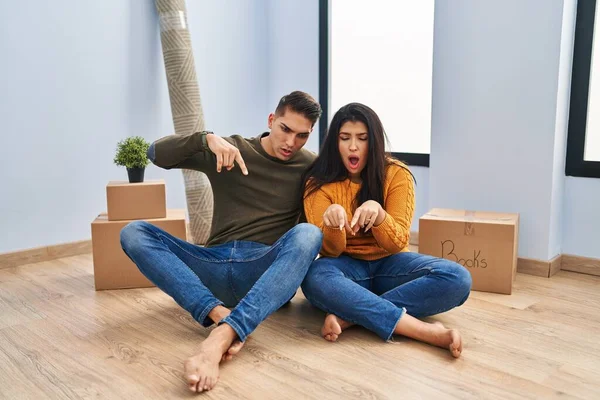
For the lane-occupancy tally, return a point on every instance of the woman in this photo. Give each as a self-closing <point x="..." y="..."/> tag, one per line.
<point x="363" y="200"/>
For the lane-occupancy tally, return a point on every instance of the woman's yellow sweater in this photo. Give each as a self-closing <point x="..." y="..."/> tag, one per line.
<point x="389" y="237"/>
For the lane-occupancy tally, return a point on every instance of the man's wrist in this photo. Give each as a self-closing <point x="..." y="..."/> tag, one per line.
<point x="203" y="135"/>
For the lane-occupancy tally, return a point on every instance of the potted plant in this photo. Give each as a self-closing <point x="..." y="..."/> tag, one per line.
<point x="132" y="154"/>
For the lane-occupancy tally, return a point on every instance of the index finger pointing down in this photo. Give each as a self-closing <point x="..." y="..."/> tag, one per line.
<point x="241" y="163"/>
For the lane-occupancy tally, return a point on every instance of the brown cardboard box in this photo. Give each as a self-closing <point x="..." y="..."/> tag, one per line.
<point x="128" y="201"/>
<point x="484" y="242"/>
<point x="112" y="268"/>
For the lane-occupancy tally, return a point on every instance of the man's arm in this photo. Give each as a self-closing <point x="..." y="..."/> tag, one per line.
<point x="199" y="151"/>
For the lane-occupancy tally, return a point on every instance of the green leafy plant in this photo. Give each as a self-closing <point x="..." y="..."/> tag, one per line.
<point x="131" y="152"/>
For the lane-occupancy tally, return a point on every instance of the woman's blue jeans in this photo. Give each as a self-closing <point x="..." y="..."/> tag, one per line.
<point x="375" y="294"/>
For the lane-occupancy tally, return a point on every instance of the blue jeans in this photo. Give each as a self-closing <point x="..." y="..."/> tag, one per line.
<point x="255" y="278"/>
<point x="375" y="294"/>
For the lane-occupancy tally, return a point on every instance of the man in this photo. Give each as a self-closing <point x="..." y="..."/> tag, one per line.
<point x="257" y="254"/>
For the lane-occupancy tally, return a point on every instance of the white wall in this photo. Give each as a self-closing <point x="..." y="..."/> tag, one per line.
<point x="293" y="53"/>
<point x="80" y="76"/>
<point x="582" y="217"/>
<point x="495" y="82"/>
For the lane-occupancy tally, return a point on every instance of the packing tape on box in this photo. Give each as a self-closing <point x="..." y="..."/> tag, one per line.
<point x="471" y="217"/>
<point x="469" y="226"/>
<point x="172" y="20"/>
<point x="470" y="220"/>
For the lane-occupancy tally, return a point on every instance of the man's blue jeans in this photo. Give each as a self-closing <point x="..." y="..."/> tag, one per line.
<point x="255" y="278"/>
<point x="375" y="294"/>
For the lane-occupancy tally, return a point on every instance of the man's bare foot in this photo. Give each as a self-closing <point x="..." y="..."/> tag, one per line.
<point x="235" y="348"/>
<point x="448" y="338"/>
<point x="202" y="370"/>
<point x="218" y="313"/>
<point x="333" y="327"/>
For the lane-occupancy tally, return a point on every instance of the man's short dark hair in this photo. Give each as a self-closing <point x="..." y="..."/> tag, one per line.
<point x="301" y="103"/>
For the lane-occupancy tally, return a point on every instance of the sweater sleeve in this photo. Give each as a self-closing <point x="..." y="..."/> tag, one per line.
<point x="334" y="239"/>
<point x="393" y="233"/>
<point x="182" y="151"/>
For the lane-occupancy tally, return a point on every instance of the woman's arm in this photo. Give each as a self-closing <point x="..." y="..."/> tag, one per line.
<point x="334" y="238"/>
<point x="394" y="232"/>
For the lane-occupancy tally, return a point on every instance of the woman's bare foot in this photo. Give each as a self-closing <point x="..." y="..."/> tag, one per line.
<point x="450" y="339"/>
<point x="333" y="327"/>
<point x="436" y="333"/>
<point x="202" y="370"/>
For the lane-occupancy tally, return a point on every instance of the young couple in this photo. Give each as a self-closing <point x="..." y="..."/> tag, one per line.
<point x="359" y="203"/>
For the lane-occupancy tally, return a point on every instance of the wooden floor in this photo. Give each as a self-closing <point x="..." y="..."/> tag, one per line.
<point x="59" y="339"/>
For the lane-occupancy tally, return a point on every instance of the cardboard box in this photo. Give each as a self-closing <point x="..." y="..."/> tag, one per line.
<point x="484" y="242"/>
<point x="129" y="201"/>
<point x="112" y="268"/>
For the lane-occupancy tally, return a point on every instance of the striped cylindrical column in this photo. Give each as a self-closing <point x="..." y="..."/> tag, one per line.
<point x="185" y="107"/>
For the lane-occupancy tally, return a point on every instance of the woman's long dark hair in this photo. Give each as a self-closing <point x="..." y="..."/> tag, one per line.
<point x="329" y="167"/>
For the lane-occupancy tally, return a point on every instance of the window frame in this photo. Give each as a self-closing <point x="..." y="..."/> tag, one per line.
<point x="413" y="159"/>
<point x="576" y="165"/>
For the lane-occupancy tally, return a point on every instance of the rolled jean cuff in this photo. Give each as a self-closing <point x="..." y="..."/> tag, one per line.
<point x="402" y="311"/>
<point x="240" y="333"/>
<point x="203" y="318"/>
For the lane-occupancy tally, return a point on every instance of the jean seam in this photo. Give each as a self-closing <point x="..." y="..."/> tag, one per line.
<point x="242" y="260"/>
<point x="399" y="275"/>
<point x="161" y="237"/>
<point x="217" y="261"/>
<point x="390" y="276"/>
<point x="231" y="286"/>
<point x="357" y="280"/>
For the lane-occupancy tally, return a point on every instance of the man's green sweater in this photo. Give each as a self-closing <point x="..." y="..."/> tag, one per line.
<point x="258" y="207"/>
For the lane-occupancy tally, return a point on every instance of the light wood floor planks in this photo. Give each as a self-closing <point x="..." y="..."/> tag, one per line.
<point x="59" y="339"/>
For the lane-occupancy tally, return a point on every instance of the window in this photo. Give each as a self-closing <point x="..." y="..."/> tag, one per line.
<point x="380" y="53"/>
<point x="583" y="143"/>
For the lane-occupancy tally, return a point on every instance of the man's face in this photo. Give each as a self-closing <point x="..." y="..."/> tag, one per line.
<point x="289" y="133"/>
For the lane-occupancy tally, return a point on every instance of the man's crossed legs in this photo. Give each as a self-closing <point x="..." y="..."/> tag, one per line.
<point x="252" y="278"/>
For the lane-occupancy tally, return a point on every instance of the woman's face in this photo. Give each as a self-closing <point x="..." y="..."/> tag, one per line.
<point x="353" y="143"/>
